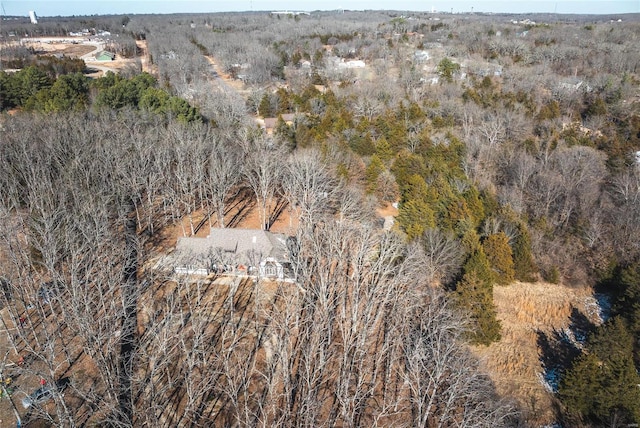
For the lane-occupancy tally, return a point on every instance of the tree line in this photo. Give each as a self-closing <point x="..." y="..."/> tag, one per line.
<point x="34" y="89"/>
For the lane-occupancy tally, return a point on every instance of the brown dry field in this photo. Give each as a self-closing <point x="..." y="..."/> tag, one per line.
<point x="514" y="363"/>
<point x="73" y="50"/>
<point x="68" y="49"/>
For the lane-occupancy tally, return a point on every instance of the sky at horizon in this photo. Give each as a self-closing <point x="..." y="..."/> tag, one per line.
<point x="45" y="8"/>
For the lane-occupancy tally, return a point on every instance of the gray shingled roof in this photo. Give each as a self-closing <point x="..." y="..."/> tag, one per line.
<point x="244" y="246"/>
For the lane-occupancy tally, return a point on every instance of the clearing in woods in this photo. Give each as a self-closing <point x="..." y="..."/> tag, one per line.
<point x="535" y="318"/>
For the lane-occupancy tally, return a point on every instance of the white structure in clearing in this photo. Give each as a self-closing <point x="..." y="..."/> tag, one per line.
<point x="33" y="17"/>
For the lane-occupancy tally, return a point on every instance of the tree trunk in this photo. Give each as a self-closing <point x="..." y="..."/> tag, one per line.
<point x="129" y="320"/>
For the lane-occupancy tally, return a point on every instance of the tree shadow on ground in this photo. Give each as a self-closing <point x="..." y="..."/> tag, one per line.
<point x="580" y="325"/>
<point x="560" y="347"/>
<point x="276" y="212"/>
<point x="242" y="205"/>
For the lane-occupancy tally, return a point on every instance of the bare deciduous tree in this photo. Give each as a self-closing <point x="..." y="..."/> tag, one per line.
<point x="223" y="176"/>
<point x="262" y="170"/>
<point x="443" y="255"/>
<point x="308" y="186"/>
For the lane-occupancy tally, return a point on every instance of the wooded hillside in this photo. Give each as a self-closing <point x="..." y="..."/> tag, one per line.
<point x="510" y="146"/>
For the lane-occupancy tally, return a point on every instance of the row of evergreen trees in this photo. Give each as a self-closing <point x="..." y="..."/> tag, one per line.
<point x="34" y="89"/>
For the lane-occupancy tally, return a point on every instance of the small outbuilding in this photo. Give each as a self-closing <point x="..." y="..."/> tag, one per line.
<point x="105" y="56"/>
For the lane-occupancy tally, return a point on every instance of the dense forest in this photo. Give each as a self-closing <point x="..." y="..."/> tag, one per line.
<point x="510" y="146"/>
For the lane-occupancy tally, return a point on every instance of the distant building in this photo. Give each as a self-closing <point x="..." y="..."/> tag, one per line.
<point x="356" y="63"/>
<point x="169" y="55"/>
<point x="290" y="13"/>
<point x="340" y="63"/>
<point x="84" y="32"/>
<point x="105" y="56"/>
<point x="33" y="17"/>
<point x="270" y="123"/>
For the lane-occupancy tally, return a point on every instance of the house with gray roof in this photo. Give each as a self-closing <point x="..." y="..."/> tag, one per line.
<point x="239" y="251"/>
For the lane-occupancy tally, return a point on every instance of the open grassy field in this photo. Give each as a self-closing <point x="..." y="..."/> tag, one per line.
<point x="534" y="317"/>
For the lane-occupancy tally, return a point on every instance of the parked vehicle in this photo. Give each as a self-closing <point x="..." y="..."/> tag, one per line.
<point x="44" y="393"/>
<point x="38" y="396"/>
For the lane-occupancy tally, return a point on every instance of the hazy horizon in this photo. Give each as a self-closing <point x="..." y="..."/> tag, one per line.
<point x="45" y="8"/>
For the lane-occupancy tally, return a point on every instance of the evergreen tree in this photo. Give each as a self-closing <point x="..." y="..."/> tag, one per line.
<point x="602" y="385"/>
<point x="474" y="294"/>
<point x="405" y="166"/>
<point x="447" y="68"/>
<point x="580" y="384"/>
<point x="25" y="84"/>
<point x="154" y="100"/>
<point x="456" y="215"/>
<point x="523" y="264"/>
<point x="496" y="247"/>
<point x="107" y="81"/>
<point x="123" y="94"/>
<point x="285" y="132"/>
<point x="478" y="263"/>
<point x="383" y="150"/>
<point x="32" y="80"/>
<point x="476" y="298"/>
<point x="373" y="171"/>
<point x="284" y="102"/>
<point x="182" y="111"/>
<point x="415" y="214"/>
<point x="627" y="304"/>
<point x="6" y="91"/>
<point x="69" y="92"/>
<point x="549" y="111"/>
<point x="362" y="144"/>
<point x="470" y="240"/>
<point x="474" y="204"/>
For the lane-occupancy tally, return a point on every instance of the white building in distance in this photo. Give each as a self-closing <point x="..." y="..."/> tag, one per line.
<point x="33" y="17"/>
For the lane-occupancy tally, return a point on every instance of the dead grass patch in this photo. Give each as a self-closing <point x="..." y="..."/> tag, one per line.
<point x="514" y="363"/>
